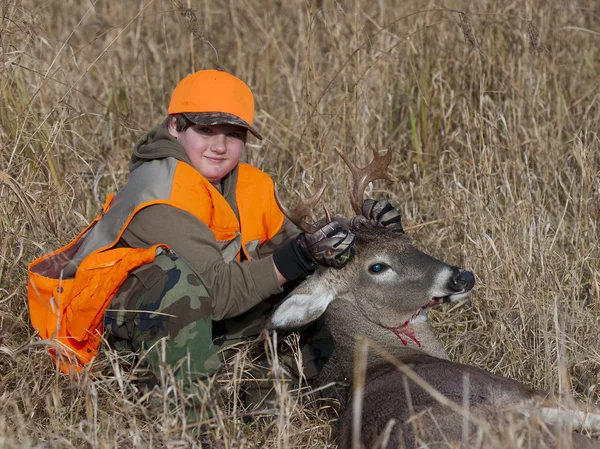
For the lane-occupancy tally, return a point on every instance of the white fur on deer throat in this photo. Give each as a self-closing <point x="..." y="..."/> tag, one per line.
<point x="420" y="317"/>
<point x="300" y="308"/>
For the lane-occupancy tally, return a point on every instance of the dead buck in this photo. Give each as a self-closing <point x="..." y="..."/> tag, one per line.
<point x="383" y="294"/>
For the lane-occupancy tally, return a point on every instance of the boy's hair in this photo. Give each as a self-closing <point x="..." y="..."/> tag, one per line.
<point x="181" y="122"/>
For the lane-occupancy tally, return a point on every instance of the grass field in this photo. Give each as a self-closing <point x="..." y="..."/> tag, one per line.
<point x="492" y="109"/>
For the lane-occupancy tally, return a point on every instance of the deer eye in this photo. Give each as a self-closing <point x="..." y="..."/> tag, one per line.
<point x="377" y="268"/>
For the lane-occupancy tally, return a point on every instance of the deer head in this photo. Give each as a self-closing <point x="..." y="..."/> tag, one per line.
<point x="385" y="288"/>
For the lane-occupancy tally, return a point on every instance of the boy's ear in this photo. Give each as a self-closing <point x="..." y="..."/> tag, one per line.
<point x="171" y="126"/>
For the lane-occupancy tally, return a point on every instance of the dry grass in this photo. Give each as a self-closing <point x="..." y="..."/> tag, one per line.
<point x="492" y="112"/>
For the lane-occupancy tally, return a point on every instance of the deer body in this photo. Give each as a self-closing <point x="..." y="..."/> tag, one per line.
<point x="390" y="397"/>
<point x="410" y="394"/>
<point x="383" y="294"/>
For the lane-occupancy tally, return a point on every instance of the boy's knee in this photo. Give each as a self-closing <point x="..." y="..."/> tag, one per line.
<point x="161" y="299"/>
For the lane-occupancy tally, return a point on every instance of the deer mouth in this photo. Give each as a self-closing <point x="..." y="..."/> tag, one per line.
<point x="419" y="316"/>
<point x="406" y="331"/>
<point x="432" y="303"/>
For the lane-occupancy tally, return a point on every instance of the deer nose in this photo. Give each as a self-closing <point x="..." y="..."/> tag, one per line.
<point x="462" y="280"/>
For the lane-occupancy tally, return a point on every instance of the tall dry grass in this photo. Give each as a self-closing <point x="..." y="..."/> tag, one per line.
<point x="492" y="110"/>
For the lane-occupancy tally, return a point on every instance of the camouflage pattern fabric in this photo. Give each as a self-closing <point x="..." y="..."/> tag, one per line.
<point x="163" y="299"/>
<point x="166" y="299"/>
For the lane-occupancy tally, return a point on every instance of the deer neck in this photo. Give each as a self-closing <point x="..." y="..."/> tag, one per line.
<point x="414" y="337"/>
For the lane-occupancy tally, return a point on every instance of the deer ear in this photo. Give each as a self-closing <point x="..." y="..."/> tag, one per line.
<point x="301" y="308"/>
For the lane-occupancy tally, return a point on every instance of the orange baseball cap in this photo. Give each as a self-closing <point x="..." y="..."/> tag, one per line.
<point x="214" y="97"/>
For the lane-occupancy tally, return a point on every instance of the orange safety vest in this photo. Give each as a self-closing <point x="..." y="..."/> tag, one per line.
<point x="68" y="312"/>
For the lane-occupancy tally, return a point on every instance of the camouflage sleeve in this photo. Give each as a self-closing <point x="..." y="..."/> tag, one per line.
<point x="234" y="287"/>
<point x="287" y="232"/>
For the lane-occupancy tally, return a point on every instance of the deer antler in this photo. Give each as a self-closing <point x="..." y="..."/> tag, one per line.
<point x="377" y="169"/>
<point x="301" y="209"/>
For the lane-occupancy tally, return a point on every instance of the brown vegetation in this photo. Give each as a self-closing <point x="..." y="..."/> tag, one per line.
<point x="492" y="109"/>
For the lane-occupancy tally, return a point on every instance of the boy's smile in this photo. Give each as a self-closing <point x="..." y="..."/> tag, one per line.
<point x="213" y="150"/>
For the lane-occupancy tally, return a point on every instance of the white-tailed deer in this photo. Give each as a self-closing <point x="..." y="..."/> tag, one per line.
<point x="383" y="294"/>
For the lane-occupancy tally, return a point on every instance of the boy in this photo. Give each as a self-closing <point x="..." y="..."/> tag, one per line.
<point x="189" y="249"/>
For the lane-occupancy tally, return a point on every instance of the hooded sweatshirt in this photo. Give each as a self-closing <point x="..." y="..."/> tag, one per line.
<point x="234" y="287"/>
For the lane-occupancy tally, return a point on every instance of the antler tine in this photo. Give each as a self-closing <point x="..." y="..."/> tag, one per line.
<point x="377" y="169"/>
<point x="301" y="209"/>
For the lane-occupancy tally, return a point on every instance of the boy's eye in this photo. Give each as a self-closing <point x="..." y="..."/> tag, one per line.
<point x="238" y="135"/>
<point x="204" y="130"/>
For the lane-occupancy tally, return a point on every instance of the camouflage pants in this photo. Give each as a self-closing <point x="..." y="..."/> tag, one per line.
<point x="165" y="298"/>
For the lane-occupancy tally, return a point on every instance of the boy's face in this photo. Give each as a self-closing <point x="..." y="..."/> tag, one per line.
<point x="213" y="150"/>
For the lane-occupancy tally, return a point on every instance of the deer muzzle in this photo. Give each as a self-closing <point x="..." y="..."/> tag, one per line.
<point x="461" y="280"/>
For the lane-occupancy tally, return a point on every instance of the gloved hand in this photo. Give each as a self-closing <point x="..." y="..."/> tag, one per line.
<point x="354" y="223"/>
<point x="329" y="246"/>
<point x="382" y="213"/>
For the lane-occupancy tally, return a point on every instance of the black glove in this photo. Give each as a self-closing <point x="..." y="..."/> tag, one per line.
<point x="330" y="246"/>
<point x="382" y="213"/>
<point x="349" y="224"/>
<point x="354" y="223"/>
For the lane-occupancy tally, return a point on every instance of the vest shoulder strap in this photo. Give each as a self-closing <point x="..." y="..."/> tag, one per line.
<point x="258" y="210"/>
<point x="150" y="182"/>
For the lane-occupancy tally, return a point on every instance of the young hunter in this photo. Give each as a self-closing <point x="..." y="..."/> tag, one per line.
<point x="189" y="249"/>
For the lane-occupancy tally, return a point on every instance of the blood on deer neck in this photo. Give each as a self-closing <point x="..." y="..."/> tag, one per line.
<point x="415" y="336"/>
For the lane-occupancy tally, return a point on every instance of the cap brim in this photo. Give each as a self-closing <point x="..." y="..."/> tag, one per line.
<point x="219" y="118"/>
